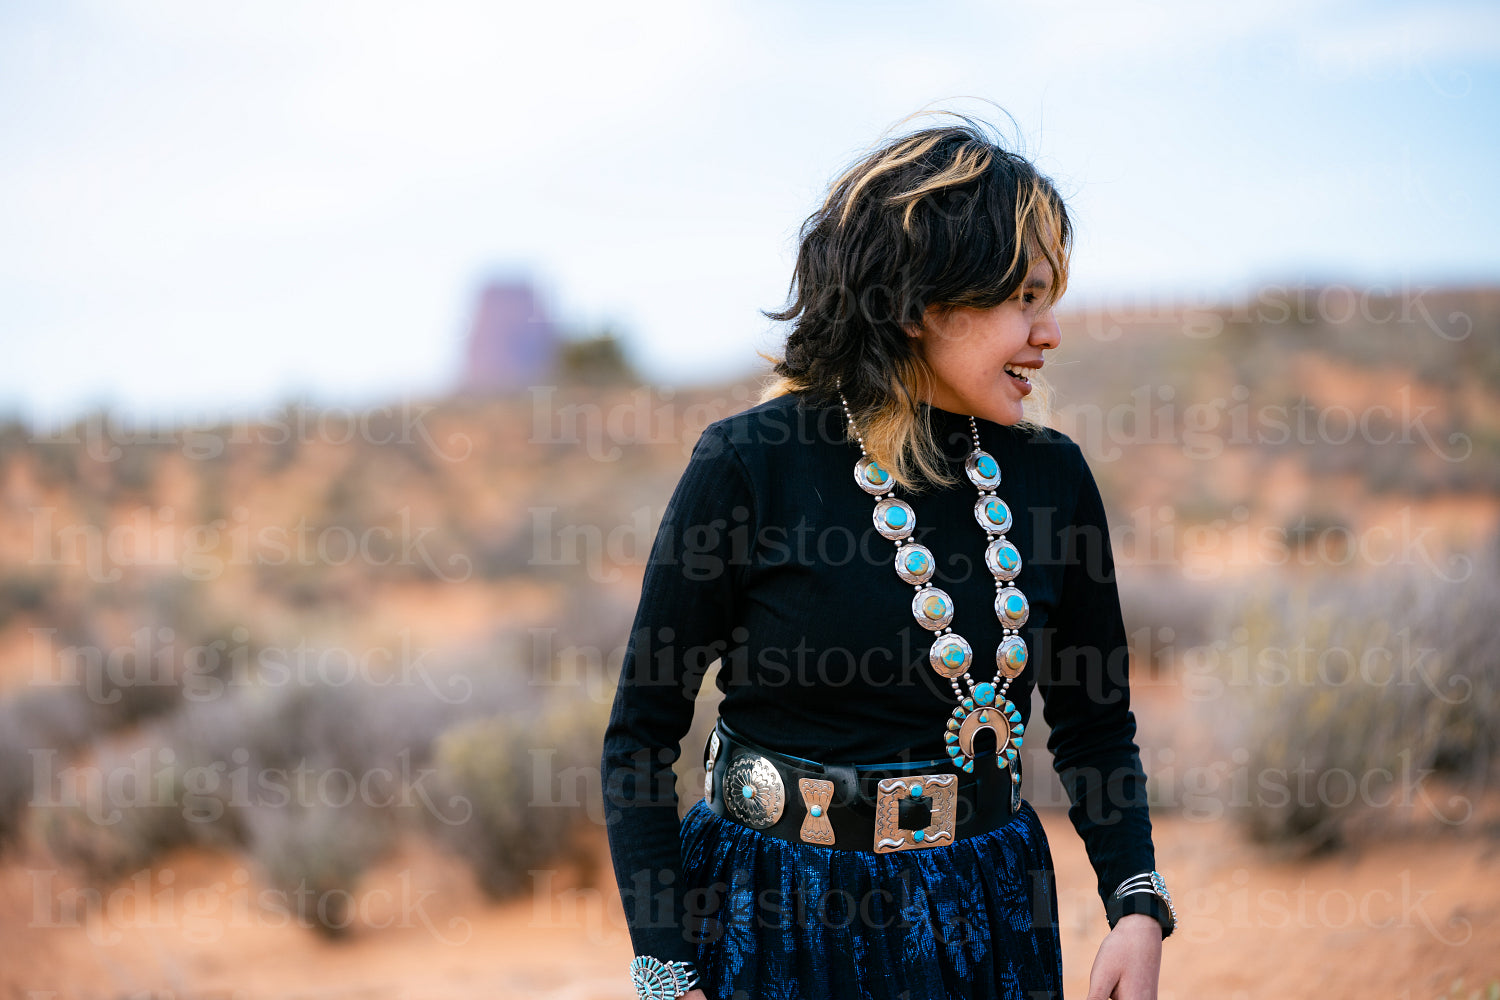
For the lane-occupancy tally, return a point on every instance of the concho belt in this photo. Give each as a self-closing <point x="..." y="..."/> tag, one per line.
<point x="877" y="807"/>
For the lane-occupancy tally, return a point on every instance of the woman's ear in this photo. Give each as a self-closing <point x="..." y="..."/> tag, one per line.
<point x="914" y="330"/>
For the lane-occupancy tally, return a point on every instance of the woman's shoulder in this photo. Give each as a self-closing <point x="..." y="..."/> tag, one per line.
<point x="785" y="420"/>
<point x="1041" y="443"/>
<point x="790" y="421"/>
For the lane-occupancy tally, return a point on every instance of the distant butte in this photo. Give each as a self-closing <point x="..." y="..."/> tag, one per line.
<point x="512" y="341"/>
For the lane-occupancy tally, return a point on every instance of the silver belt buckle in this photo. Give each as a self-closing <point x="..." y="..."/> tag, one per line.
<point x="753" y="791"/>
<point x="940" y="789"/>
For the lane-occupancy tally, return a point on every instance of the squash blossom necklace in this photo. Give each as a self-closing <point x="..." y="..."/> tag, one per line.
<point x="982" y="705"/>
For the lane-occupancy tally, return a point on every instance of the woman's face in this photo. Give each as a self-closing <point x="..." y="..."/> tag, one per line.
<point x="969" y="351"/>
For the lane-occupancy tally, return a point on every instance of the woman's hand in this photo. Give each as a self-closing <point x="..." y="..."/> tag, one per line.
<point x="1129" y="961"/>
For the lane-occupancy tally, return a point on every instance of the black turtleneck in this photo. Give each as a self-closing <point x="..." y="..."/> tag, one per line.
<point x="767" y="556"/>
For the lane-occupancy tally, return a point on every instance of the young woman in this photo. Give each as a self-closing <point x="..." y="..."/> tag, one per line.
<point x="887" y="557"/>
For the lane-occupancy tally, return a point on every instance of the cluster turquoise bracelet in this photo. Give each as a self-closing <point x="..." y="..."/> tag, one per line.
<point x="657" y="980"/>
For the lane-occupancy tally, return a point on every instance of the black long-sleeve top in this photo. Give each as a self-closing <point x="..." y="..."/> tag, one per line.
<point x="767" y="557"/>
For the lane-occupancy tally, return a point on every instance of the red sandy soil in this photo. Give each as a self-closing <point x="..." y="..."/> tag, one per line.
<point x="1399" y="920"/>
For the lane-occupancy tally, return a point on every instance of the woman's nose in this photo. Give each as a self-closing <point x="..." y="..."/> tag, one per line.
<point x="1046" y="332"/>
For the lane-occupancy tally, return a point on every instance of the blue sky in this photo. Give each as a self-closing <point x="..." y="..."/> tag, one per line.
<point x="209" y="207"/>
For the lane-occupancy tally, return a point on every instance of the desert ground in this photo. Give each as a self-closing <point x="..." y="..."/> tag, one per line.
<point x="1399" y="920"/>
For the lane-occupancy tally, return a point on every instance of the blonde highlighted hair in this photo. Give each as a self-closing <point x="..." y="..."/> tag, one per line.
<point x="945" y="217"/>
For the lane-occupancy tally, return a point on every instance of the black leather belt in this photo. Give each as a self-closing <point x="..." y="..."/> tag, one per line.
<point x="854" y="807"/>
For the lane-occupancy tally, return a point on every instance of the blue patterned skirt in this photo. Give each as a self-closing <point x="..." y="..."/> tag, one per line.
<point x="972" y="920"/>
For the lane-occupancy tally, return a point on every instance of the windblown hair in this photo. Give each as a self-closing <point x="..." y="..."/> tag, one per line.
<point x="944" y="217"/>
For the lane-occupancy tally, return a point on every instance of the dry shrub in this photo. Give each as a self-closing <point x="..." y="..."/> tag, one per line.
<point x="41" y="720"/>
<point x="310" y="779"/>
<point x="1363" y="705"/>
<point x="312" y="856"/>
<point x="117" y="821"/>
<point x="514" y="791"/>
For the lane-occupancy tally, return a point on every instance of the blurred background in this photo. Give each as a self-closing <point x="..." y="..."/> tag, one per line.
<point x="351" y="352"/>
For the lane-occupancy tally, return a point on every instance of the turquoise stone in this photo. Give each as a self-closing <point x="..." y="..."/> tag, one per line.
<point x="895" y="517"/>
<point x="876" y="474"/>
<point x="953" y="750"/>
<point x="816" y="811"/>
<point x="950" y="737"/>
<point x="748" y="791"/>
<point x="1014" y="605"/>
<point x="1008" y="558"/>
<point x="986" y="466"/>
<point x="984" y="693"/>
<point x="969" y="766"/>
<point x="916" y="562"/>
<point x="918" y="836"/>
<point x="916" y="791"/>
<point x="1017" y="741"/>
<point x="954" y="723"/>
<point x="984" y="717"/>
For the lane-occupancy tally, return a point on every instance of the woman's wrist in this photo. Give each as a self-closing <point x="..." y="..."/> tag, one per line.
<point x="1143" y="894"/>
<point x="657" y="980"/>
<point x="1143" y="923"/>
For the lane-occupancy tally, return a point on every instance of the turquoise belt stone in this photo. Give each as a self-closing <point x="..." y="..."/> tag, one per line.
<point x="981" y="705"/>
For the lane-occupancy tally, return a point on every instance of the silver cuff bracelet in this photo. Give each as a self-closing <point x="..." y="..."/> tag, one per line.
<point x="1150" y="882"/>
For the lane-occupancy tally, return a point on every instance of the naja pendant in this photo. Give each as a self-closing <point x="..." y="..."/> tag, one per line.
<point x="981" y="711"/>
